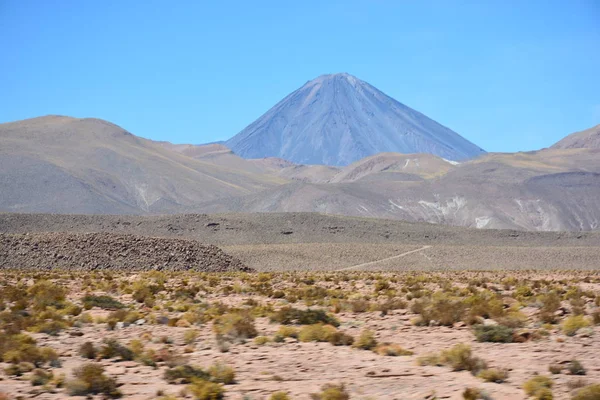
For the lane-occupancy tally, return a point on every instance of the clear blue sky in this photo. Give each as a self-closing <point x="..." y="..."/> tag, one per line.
<point x="507" y="75"/>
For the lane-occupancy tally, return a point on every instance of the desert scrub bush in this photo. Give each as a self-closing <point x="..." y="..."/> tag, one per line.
<point x="290" y="315"/>
<point x="88" y="350"/>
<point x="366" y="340"/>
<point x="572" y="324"/>
<point x="331" y="392"/>
<point x="494" y="375"/>
<point x="493" y="333"/>
<point x="90" y="379"/>
<point x="441" y="309"/>
<point x="287" y="331"/>
<point x="261" y="340"/>
<point x="205" y="390"/>
<point x="277" y="396"/>
<point x="472" y="393"/>
<point x="221" y="373"/>
<point x="15" y="349"/>
<point x="112" y="349"/>
<point x="190" y="336"/>
<point x="40" y="377"/>
<point x="105" y="302"/>
<point x="235" y="325"/>
<point x="339" y="338"/>
<point x="539" y="387"/>
<point x="316" y="333"/>
<point x="391" y="349"/>
<point x="460" y="358"/>
<point x="184" y="374"/>
<point x="44" y="294"/>
<point x="591" y="392"/>
<point x="576" y="368"/>
<point x="555" y="369"/>
<point x="431" y="359"/>
<point x="550" y="304"/>
<point x="484" y="304"/>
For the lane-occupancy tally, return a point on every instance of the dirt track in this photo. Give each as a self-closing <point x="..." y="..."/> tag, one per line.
<point x="308" y="241"/>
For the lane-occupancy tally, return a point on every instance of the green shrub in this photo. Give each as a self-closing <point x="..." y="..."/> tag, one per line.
<point x="575" y="368"/>
<point x="493" y="333"/>
<point x="290" y="315"/>
<point x="539" y="387"/>
<point x="105" y="302"/>
<point x="591" y="392"/>
<point x="205" y="390"/>
<point x="112" y="349"/>
<point x="331" y="392"/>
<point x="184" y="374"/>
<point x="366" y="340"/>
<point x="90" y="379"/>
<point x="494" y="375"/>
<point x="572" y="324"/>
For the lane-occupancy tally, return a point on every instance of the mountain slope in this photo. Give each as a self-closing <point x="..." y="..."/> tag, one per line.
<point x="587" y="139"/>
<point x="338" y="119"/>
<point x="549" y="190"/>
<point x="70" y="165"/>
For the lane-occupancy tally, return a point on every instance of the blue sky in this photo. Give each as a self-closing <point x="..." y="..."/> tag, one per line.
<point x="507" y="75"/>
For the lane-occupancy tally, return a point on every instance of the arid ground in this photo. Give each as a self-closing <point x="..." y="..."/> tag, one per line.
<point x="294" y="306"/>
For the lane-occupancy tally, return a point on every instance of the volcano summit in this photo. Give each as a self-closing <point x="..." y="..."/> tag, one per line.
<point x="338" y="119"/>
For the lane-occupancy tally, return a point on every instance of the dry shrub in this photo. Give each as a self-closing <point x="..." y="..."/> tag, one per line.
<point x="572" y="324"/>
<point x="331" y="392"/>
<point x="391" y="349"/>
<point x="539" y="387"/>
<point x="316" y="333"/>
<point x="366" y="340"/>
<point x="221" y="373"/>
<point x="591" y="392"/>
<point x="494" y="375"/>
<point x="205" y="390"/>
<point x="279" y="396"/>
<point x="90" y="379"/>
<point x="236" y="325"/>
<point x="460" y="358"/>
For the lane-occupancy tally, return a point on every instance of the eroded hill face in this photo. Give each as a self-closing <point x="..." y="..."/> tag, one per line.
<point x="338" y="119"/>
<point x="68" y="165"/>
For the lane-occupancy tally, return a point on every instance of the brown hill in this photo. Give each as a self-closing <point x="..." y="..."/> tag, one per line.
<point x="69" y="165"/>
<point x="587" y="139"/>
